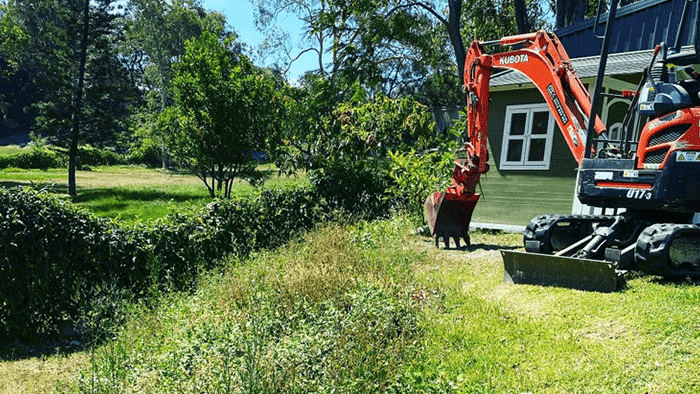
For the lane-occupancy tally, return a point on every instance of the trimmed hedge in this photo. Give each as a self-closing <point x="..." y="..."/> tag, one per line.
<point x="35" y="158"/>
<point x="43" y="158"/>
<point x="55" y="257"/>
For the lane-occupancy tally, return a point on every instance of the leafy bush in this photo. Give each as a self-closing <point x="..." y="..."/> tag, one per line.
<point x="34" y="158"/>
<point x="48" y="252"/>
<point x="147" y="153"/>
<point x="90" y="156"/>
<point x="55" y="257"/>
<point x="362" y="187"/>
<point x="43" y="157"/>
<point x="419" y="175"/>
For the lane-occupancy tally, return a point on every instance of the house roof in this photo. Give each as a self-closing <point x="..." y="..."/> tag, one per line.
<point x="587" y="67"/>
<point x="638" y="26"/>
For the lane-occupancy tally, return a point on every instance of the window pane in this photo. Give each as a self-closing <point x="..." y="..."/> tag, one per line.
<point x="517" y="123"/>
<point x="540" y="122"/>
<point x="515" y="150"/>
<point x="537" y="146"/>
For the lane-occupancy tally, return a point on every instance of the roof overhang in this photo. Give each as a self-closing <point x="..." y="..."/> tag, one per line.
<point x="626" y="63"/>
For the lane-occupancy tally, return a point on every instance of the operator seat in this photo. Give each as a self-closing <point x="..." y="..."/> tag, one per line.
<point x="662" y="97"/>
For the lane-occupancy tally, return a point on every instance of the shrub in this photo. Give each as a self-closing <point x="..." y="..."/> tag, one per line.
<point x="55" y="257"/>
<point x="362" y="188"/>
<point x="42" y="157"/>
<point x="90" y="156"/>
<point x="149" y="154"/>
<point x="34" y="158"/>
<point x="417" y="176"/>
<point x="48" y="252"/>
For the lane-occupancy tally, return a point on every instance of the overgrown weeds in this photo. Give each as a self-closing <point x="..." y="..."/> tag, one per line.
<point x="322" y="314"/>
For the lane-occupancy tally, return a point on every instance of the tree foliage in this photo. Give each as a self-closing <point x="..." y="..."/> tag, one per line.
<point x="68" y="48"/>
<point x="225" y="111"/>
<point x="155" y="36"/>
<point x="393" y="46"/>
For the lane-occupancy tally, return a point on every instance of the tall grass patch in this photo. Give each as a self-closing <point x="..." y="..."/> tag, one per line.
<point x="331" y="313"/>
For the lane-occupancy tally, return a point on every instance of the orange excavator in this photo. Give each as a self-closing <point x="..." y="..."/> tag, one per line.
<point x="649" y="178"/>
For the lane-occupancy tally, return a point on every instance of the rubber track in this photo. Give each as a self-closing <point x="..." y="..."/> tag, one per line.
<point x="540" y="228"/>
<point x="652" y="249"/>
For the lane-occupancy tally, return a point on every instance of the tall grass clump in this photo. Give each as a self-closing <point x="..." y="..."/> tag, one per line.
<point x="334" y="312"/>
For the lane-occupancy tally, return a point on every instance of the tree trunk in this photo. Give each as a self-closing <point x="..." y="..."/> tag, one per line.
<point x="455" y="33"/>
<point x="78" y="107"/>
<point x="521" y="21"/>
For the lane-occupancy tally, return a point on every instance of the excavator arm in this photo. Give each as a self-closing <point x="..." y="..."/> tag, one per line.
<point x="541" y="58"/>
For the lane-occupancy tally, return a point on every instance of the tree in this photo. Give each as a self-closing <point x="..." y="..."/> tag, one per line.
<point x="225" y="111"/>
<point x="60" y="42"/>
<point x="394" y="46"/>
<point x="155" y="36"/>
<point x="372" y="42"/>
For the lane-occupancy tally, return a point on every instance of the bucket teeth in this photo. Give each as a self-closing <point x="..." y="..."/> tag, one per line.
<point x="448" y="216"/>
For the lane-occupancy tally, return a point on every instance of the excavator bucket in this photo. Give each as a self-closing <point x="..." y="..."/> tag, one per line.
<point x="448" y="216"/>
<point x="561" y="271"/>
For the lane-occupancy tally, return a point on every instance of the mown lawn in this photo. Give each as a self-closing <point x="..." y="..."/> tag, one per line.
<point x="488" y="336"/>
<point x="131" y="192"/>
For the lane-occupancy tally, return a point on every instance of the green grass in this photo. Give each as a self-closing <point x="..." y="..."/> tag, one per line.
<point x="131" y="192"/>
<point x="372" y="308"/>
<point x="492" y="337"/>
<point x="332" y="312"/>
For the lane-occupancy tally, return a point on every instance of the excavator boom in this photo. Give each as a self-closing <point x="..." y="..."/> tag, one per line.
<point x="540" y="57"/>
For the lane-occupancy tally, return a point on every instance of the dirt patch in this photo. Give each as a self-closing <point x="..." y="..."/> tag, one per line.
<point x="604" y="331"/>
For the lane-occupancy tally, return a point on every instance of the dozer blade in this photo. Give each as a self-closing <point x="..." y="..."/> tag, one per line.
<point x="560" y="271"/>
<point x="448" y="216"/>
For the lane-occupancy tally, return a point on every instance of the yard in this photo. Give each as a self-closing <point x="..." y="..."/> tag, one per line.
<point x="368" y="307"/>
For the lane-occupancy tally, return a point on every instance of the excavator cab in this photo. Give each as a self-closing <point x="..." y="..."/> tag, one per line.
<point x="663" y="92"/>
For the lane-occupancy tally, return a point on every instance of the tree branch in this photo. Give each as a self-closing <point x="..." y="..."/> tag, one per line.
<point x="418" y="4"/>
<point x="289" y="65"/>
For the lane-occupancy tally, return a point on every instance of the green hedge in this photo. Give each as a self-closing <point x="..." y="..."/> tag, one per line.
<point x="35" y="158"/>
<point x="43" y="158"/>
<point x="55" y="257"/>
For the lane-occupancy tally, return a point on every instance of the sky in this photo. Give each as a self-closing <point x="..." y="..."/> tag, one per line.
<point x="240" y="16"/>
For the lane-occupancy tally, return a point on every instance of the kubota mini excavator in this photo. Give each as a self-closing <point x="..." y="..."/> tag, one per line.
<point x="650" y="179"/>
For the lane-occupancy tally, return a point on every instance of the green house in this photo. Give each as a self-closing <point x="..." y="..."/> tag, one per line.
<point x="532" y="170"/>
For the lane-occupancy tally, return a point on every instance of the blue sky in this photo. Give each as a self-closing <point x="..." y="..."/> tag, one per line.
<point x="240" y="16"/>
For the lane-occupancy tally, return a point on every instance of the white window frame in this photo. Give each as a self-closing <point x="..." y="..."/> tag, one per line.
<point x="524" y="164"/>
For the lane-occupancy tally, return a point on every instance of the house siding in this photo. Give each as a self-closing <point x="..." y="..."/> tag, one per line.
<point x="562" y="163"/>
